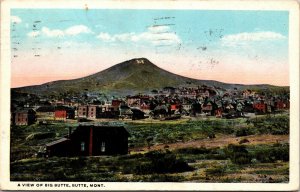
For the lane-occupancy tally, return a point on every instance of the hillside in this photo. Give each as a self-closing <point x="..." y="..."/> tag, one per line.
<point x="129" y="77"/>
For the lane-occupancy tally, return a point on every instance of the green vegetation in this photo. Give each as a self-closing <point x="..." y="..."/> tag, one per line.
<point x="26" y="141"/>
<point x="245" y="161"/>
<point x="270" y="154"/>
<point x="181" y="132"/>
<point x="154" y="165"/>
<point x="278" y="125"/>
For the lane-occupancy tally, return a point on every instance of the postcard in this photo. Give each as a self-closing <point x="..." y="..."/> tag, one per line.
<point x="149" y="95"/>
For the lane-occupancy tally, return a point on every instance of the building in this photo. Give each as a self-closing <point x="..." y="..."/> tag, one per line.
<point x="134" y="101"/>
<point x="169" y="90"/>
<point x="91" y="140"/>
<point x="260" y="106"/>
<point x="24" y="117"/>
<point x="116" y="103"/>
<point x="44" y="113"/>
<point x="93" y="111"/>
<point x="207" y="108"/>
<point x="89" y="111"/>
<point x="137" y="114"/>
<point x="281" y="105"/>
<point x="82" y="111"/>
<point x="187" y="107"/>
<point x="60" y="115"/>
<point x="60" y="148"/>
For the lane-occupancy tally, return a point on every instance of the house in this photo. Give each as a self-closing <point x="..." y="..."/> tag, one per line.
<point x="134" y="101"/>
<point x="160" y="111"/>
<point x="125" y="111"/>
<point x="89" y="111"/>
<point x="91" y="140"/>
<point x="279" y="104"/>
<point x="204" y="93"/>
<point x="93" y="112"/>
<point x="207" y="108"/>
<point x="107" y="106"/>
<point x="260" y="106"/>
<point x="169" y="90"/>
<point x="229" y="108"/>
<point x="82" y="111"/>
<point x="24" y="117"/>
<point x="246" y="93"/>
<point x="137" y="114"/>
<point x="60" y="114"/>
<point x="175" y="107"/>
<point x="115" y="104"/>
<point x="187" y="107"/>
<point x="60" y="148"/>
<point x="63" y="113"/>
<point x="44" y="113"/>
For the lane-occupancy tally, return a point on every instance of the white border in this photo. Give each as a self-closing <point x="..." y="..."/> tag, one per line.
<point x="291" y="6"/>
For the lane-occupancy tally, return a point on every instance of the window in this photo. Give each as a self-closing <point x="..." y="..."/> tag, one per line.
<point x="83" y="113"/>
<point x="103" y="146"/>
<point x="92" y="109"/>
<point x="82" y="146"/>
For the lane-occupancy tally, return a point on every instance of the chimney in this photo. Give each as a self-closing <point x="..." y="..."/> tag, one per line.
<point x="70" y="132"/>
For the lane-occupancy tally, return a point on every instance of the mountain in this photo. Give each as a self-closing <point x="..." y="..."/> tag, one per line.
<point x="129" y="77"/>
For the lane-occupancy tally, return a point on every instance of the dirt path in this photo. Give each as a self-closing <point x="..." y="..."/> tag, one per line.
<point x="220" y="141"/>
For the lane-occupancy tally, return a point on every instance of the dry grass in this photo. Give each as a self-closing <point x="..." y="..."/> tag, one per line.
<point x="219" y="141"/>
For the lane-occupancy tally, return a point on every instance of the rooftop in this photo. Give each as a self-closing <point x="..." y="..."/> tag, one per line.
<point x="56" y="142"/>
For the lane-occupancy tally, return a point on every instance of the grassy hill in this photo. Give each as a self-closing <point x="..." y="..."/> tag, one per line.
<point x="129" y="77"/>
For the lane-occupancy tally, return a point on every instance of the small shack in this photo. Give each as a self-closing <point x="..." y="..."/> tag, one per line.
<point x="90" y="139"/>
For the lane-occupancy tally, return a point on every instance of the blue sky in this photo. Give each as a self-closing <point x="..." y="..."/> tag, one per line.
<point x="195" y="43"/>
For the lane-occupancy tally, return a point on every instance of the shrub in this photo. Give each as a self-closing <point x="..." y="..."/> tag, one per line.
<point x="216" y="171"/>
<point x="244" y="132"/>
<point x="162" y="162"/>
<point x="77" y="163"/>
<point x="275" y="125"/>
<point x="244" y="141"/>
<point x="281" y="151"/>
<point x="238" y="154"/>
<point x="270" y="154"/>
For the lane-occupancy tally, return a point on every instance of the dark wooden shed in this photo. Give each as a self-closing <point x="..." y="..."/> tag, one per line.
<point x="60" y="148"/>
<point x="91" y="140"/>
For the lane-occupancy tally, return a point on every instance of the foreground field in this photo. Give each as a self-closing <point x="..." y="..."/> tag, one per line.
<point x="186" y="150"/>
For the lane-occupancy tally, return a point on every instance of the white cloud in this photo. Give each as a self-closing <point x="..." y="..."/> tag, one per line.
<point x="52" y="33"/>
<point x="71" y="31"/>
<point x="244" y="38"/>
<point x="154" y="35"/>
<point x="77" y="29"/>
<point x="15" y="19"/>
<point x="33" y="33"/>
<point x="105" y="37"/>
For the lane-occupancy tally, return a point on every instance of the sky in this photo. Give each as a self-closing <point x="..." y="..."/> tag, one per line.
<point x="248" y="47"/>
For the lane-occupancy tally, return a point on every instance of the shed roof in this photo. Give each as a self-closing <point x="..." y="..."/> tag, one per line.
<point x="111" y="126"/>
<point x="56" y="142"/>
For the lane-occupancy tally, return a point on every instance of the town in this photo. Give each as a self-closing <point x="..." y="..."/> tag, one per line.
<point x="165" y="104"/>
